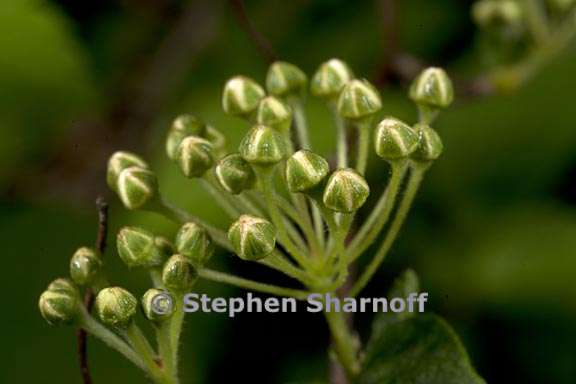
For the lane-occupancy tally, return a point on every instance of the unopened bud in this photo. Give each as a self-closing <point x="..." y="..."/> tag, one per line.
<point x="241" y="96"/>
<point x="85" y="266"/>
<point x="305" y="170"/>
<point x="60" y="303"/>
<point x="359" y="99"/>
<point x="179" y="275"/>
<point x="274" y="114"/>
<point x="252" y="238"/>
<point x="394" y="139"/>
<point x="330" y="78"/>
<point x="182" y="127"/>
<point x="157" y="305"/>
<point x="194" y="242"/>
<point x="430" y="145"/>
<point x="235" y="174"/>
<point x="346" y="191"/>
<point x="195" y="156"/>
<point x="118" y="162"/>
<point x="262" y="145"/>
<point x="138" y="247"/>
<point x="137" y="187"/>
<point x="285" y="79"/>
<point x="432" y="88"/>
<point x="116" y="307"/>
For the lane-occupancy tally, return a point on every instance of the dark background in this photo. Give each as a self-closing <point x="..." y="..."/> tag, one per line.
<point x="492" y="234"/>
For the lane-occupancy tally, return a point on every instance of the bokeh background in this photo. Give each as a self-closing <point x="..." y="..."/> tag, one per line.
<point x="492" y="234"/>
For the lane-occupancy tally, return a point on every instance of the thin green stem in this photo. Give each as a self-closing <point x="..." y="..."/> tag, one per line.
<point x="379" y="215"/>
<point x="177" y="215"/>
<point x="342" y="141"/>
<point x="175" y="328"/>
<point x="88" y="323"/>
<point x="165" y="349"/>
<point x="344" y="343"/>
<point x="300" y="122"/>
<point x="363" y="145"/>
<point x="139" y="343"/>
<point x="414" y="181"/>
<point x="278" y="262"/>
<point x="265" y="176"/>
<point x="221" y="277"/>
<point x="207" y="183"/>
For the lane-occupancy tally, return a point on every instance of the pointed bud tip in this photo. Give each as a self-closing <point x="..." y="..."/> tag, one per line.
<point x="252" y="238"/>
<point x="241" y="96"/>
<point x="138" y="247"/>
<point x="330" y="78"/>
<point x="235" y="174"/>
<point x="432" y="88"/>
<point x="346" y="191"/>
<point x="179" y="275"/>
<point x="262" y="145"/>
<point x="305" y="170"/>
<point x="194" y="242"/>
<point x="359" y="99"/>
<point x="285" y="79"/>
<point x="195" y="156"/>
<point x="394" y="139"/>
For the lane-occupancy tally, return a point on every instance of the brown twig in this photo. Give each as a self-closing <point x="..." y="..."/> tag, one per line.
<point x="261" y="43"/>
<point x="89" y="295"/>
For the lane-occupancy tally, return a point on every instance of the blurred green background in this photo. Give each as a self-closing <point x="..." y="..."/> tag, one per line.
<point x="492" y="234"/>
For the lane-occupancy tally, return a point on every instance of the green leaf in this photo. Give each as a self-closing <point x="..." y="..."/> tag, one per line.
<point x="411" y="348"/>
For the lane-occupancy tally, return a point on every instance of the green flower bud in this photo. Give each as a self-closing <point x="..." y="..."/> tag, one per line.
<point x="241" y="96"/>
<point x="235" y="174"/>
<point x="262" y="145"/>
<point x="430" y="145"/>
<point x="305" y="170"/>
<point x="116" y="307"/>
<point x="497" y="13"/>
<point x="179" y="275"/>
<point x="359" y="99"/>
<point x="346" y="191"/>
<point x="195" y="156"/>
<point x="63" y="286"/>
<point x="182" y="127"/>
<point x="285" y="79"/>
<point x="432" y="88"/>
<point x="60" y="303"/>
<point x="274" y="114"/>
<point x="118" y="162"/>
<point x="194" y="242"/>
<point x="330" y="78"/>
<point x="137" y="187"/>
<point x="85" y="265"/>
<point x="394" y="139"/>
<point x="252" y="238"/>
<point x="157" y="305"/>
<point x="138" y="247"/>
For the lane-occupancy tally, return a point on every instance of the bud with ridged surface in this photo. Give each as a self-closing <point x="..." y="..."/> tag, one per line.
<point x="432" y="88"/>
<point x="60" y="303"/>
<point x="430" y="145"/>
<point x="241" y="96"/>
<point x="252" y="238"/>
<point x="118" y="162"/>
<point x="182" y="127"/>
<point x="394" y="139"/>
<point x="138" y="247"/>
<point x="284" y="79"/>
<point x="179" y="275"/>
<point x="137" y="187"/>
<point x="235" y="174"/>
<point x="194" y="242"/>
<point x="195" y="156"/>
<point x="85" y="266"/>
<point x="330" y="78"/>
<point x="262" y="146"/>
<point x="305" y="170"/>
<point x="157" y="305"/>
<point x="359" y="99"/>
<point x="116" y="307"/>
<point x="346" y="191"/>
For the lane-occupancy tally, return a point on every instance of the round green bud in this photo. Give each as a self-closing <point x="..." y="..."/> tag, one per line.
<point x="195" y="156"/>
<point x="252" y="238"/>
<point x="241" y="96"/>
<point x="346" y="191"/>
<point x="262" y="145"/>
<point x="194" y="242"/>
<point x="60" y="303"/>
<point x="118" y="162"/>
<point x="330" y="78"/>
<point x="274" y="114"/>
<point x="394" y="139"/>
<point x="497" y="13"/>
<point x="235" y="174"/>
<point x="157" y="305"/>
<point x="182" y="127"/>
<point x="430" y="145"/>
<point x="359" y="99"/>
<point x="305" y="170"/>
<point x="85" y="265"/>
<point x="116" y="307"/>
<point x="138" y="247"/>
<point x="285" y="79"/>
<point x="64" y="286"/>
<point x="137" y="187"/>
<point x="432" y="88"/>
<point x="179" y="275"/>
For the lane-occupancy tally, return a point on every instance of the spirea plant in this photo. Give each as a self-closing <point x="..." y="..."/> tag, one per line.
<point x="291" y="210"/>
